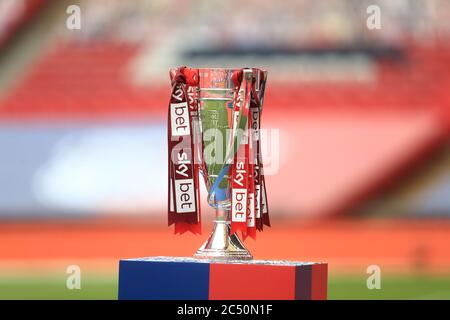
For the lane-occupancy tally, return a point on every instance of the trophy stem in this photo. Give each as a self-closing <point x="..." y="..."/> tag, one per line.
<point x="221" y="244"/>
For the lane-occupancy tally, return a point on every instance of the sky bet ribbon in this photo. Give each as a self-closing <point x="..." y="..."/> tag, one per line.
<point x="184" y="195"/>
<point x="261" y="209"/>
<point x="255" y="187"/>
<point x="264" y="208"/>
<point x="240" y="179"/>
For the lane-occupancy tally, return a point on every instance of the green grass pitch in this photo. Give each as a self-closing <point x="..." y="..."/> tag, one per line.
<point x="339" y="287"/>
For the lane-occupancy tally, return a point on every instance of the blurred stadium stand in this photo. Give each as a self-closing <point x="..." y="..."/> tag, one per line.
<point x="15" y="14"/>
<point x="364" y="119"/>
<point x="358" y="109"/>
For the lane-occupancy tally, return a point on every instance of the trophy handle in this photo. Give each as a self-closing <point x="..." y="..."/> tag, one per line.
<point x="221" y="244"/>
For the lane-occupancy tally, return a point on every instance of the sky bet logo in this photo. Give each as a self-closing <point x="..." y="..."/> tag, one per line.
<point x="239" y="195"/>
<point x="184" y="184"/>
<point x="239" y="208"/>
<point x="184" y="189"/>
<point x="180" y="119"/>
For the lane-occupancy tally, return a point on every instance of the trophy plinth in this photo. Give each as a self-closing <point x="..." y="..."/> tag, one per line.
<point x="176" y="278"/>
<point x="221" y="245"/>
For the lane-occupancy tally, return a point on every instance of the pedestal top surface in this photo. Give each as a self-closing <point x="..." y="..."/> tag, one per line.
<point x="252" y="262"/>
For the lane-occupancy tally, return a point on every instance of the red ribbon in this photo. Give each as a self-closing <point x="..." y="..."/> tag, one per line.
<point x="264" y="209"/>
<point x="184" y="195"/>
<point x="240" y="166"/>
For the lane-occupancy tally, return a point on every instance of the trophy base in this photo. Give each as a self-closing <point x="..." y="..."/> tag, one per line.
<point x="221" y="245"/>
<point x="176" y="278"/>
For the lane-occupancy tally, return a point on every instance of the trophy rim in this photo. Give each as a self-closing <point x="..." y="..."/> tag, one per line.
<point x="224" y="68"/>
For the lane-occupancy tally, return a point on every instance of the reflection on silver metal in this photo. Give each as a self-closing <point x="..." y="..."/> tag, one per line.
<point x="223" y="246"/>
<point x="216" y="89"/>
<point x="215" y="99"/>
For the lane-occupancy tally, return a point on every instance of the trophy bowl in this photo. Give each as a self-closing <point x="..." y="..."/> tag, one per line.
<point x="217" y="91"/>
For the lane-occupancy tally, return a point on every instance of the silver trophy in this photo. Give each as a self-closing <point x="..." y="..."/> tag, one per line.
<point x="216" y="94"/>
